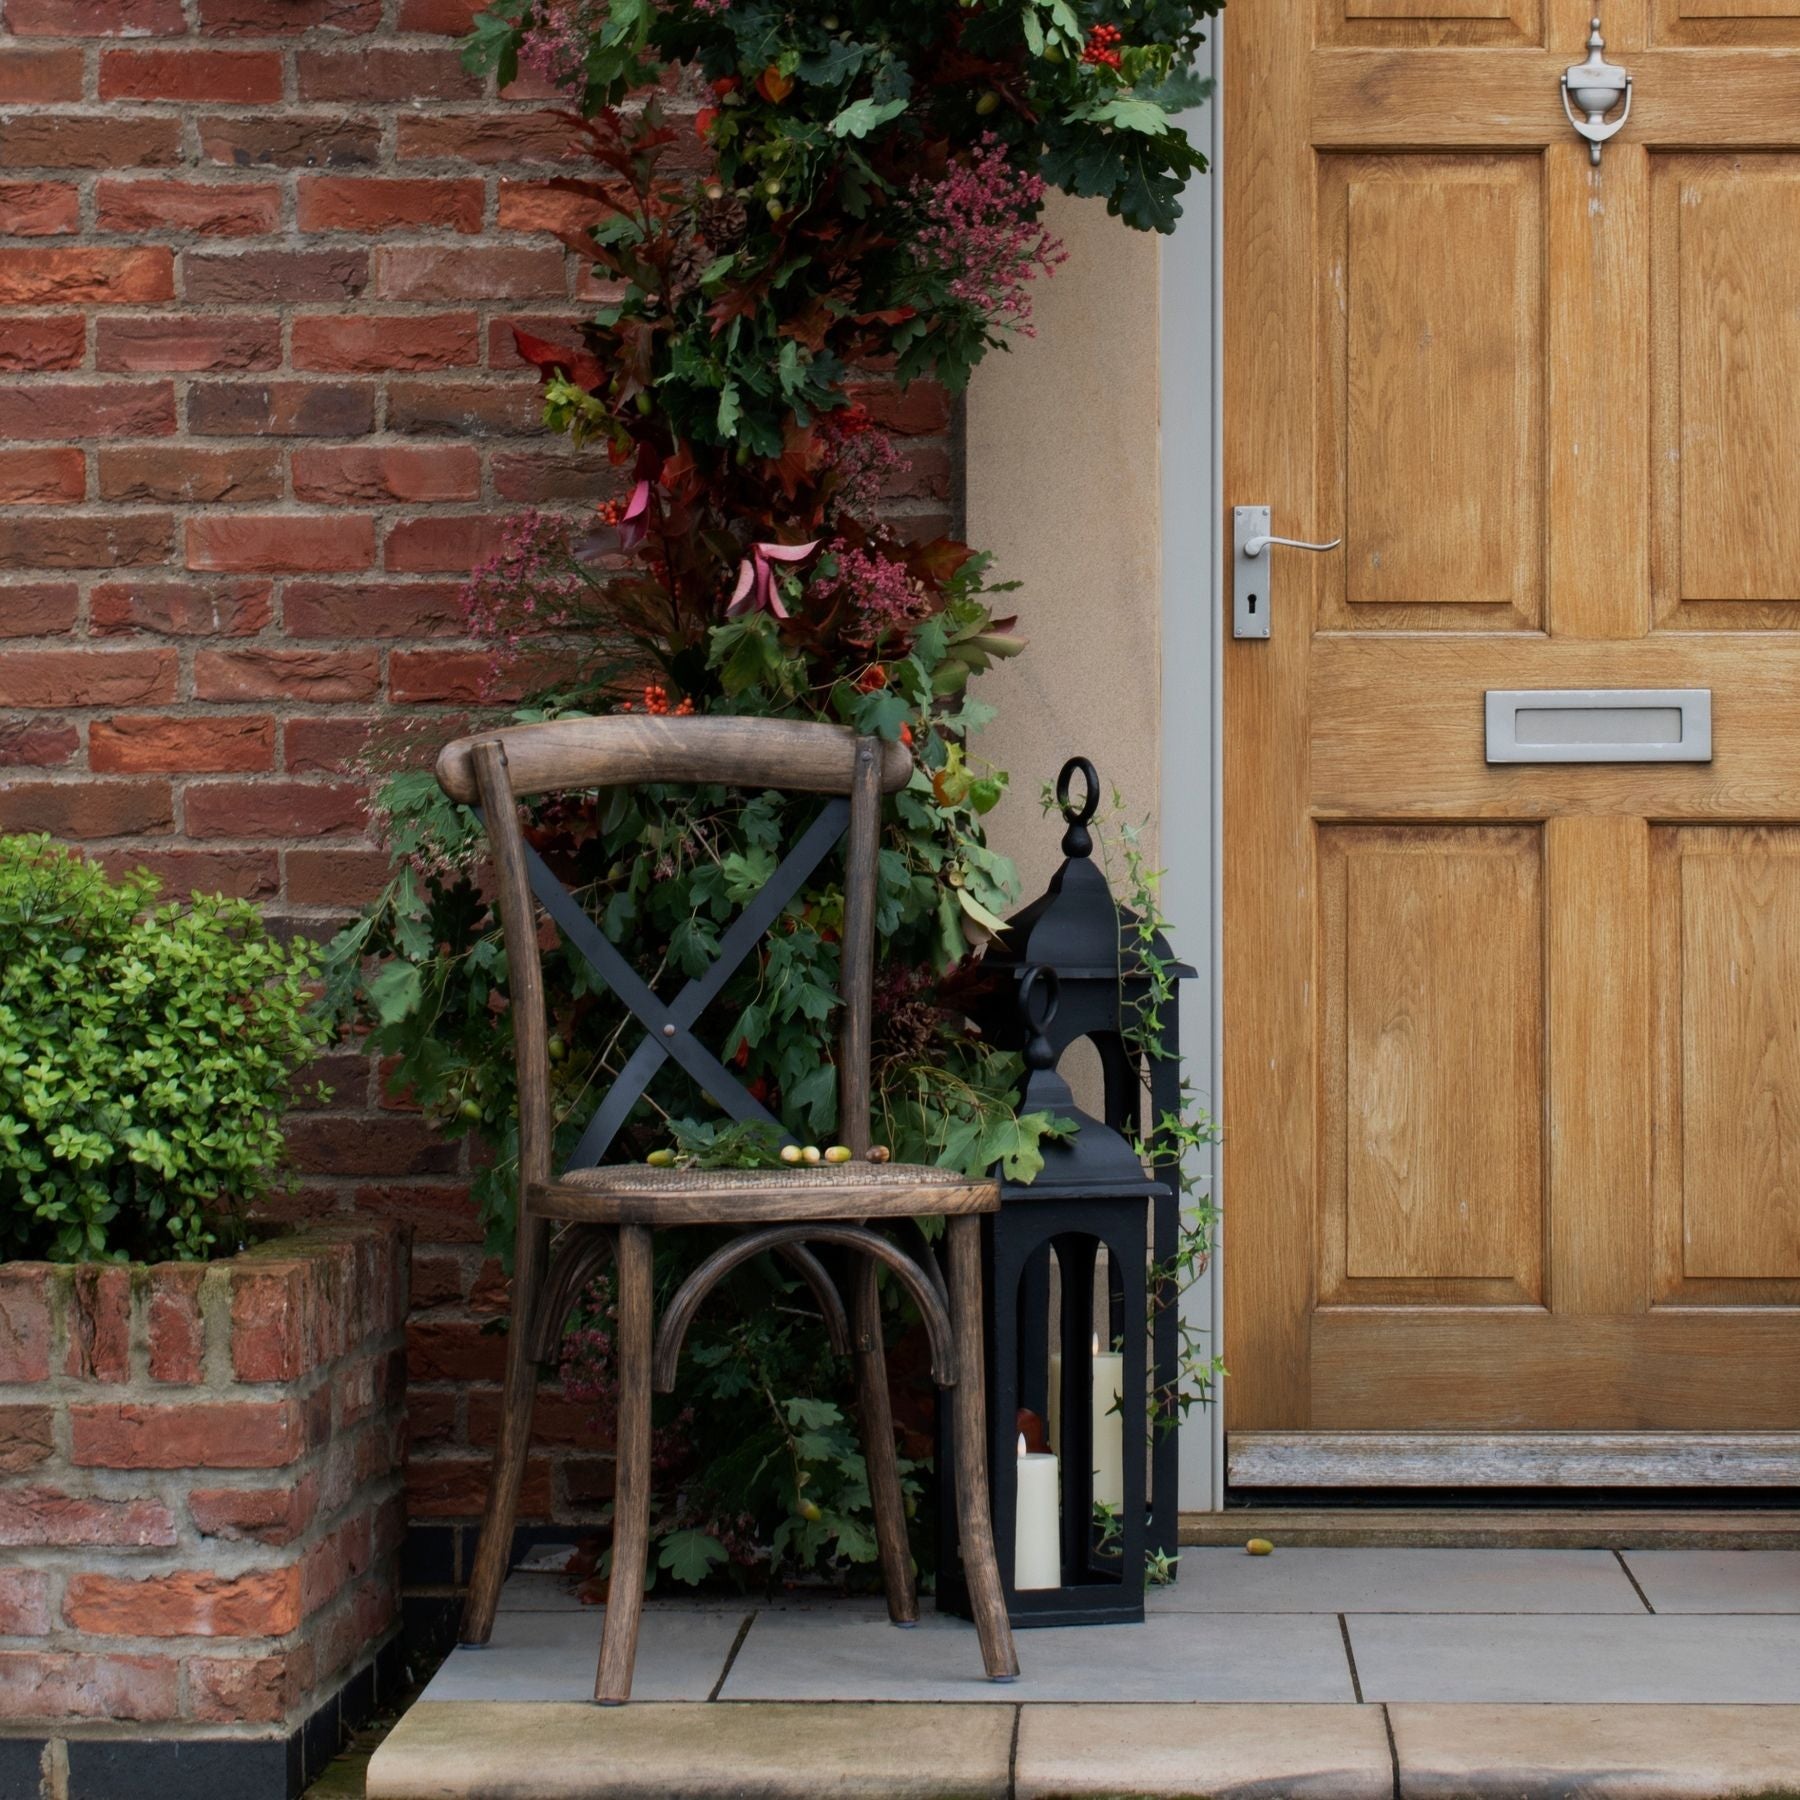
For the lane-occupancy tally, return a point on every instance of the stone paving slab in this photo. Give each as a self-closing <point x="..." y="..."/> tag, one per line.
<point x="1718" y="1581"/>
<point x="1597" y="1752"/>
<point x="552" y="1656"/>
<point x="470" y="1751"/>
<point x="792" y="1656"/>
<point x="1401" y="1581"/>
<point x="1577" y="1660"/>
<point x="1226" y="1752"/>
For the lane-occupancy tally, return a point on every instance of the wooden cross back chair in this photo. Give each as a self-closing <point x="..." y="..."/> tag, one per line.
<point x="570" y="1222"/>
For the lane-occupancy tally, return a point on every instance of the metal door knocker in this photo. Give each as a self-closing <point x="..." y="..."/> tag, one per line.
<point x="1595" y="87"/>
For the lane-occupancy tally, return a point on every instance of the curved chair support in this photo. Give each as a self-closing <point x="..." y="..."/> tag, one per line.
<point x="679" y="1313"/>
<point x="824" y="1290"/>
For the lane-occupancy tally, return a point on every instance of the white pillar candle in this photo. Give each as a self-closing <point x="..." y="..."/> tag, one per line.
<point x="1109" y="1427"/>
<point x="1037" y="1536"/>
<point x="1055" y="1419"/>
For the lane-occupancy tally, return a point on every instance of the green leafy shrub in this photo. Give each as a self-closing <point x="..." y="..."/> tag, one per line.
<point x="145" y="1059"/>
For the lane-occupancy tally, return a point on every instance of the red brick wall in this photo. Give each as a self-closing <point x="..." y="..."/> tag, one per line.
<point x="199" y="1486"/>
<point x="259" y="410"/>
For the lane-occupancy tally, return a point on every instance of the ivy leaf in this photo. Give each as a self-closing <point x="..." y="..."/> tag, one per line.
<point x="863" y="116"/>
<point x="690" y="1556"/>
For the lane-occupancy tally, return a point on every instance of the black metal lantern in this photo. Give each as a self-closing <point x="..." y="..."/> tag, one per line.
<point x="1077" y="929"/>
<point x="1060" y="1563"/>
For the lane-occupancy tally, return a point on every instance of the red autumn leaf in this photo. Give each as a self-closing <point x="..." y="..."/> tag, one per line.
<point x="580" y="366"/>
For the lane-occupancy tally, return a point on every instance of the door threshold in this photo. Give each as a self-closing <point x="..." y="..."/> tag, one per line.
<point x="1468" y="1528"/>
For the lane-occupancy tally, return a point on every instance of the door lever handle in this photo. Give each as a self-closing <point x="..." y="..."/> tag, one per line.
<point x="1253" y="574"/>
<point x="1257" y="545"/>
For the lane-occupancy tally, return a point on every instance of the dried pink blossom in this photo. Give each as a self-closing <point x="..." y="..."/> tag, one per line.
<point x="862" y="459"/>
<point x="884" y="594"/>
<point x="554" y="46"/>
<point x="981" y="229"/>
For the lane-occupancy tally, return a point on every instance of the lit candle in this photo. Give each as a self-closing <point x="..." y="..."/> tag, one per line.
<point x="1037" y="1546"/>
<point x="1109" y="1423"/>
<point x="1056" y="1403"/>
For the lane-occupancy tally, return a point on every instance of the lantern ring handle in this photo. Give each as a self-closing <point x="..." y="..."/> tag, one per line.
<point x="1039" y="990"/>
<point x="1078" y="765"/>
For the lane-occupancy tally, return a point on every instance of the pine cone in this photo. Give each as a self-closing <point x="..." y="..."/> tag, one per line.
<point x="691" y="260"/>
<point x="722" y="223"/>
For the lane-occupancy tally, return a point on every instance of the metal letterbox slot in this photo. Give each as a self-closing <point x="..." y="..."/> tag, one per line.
<point x="1599" y="725"/>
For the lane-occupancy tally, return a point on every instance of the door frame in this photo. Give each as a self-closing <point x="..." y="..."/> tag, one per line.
<point x="1191" y="372"/>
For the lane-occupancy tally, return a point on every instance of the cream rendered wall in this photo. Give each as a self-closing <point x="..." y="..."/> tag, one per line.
<point x="1062" y="486"/>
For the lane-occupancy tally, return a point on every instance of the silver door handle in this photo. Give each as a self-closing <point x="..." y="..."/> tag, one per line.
<point x="1257" y="545"/>
<point x="1253" y="580"/>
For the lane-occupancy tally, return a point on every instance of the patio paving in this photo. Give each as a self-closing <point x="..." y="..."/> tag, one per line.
<point x="1325" y="1673"/>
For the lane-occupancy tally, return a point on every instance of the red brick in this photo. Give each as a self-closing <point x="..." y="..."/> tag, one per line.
<point x="190" y="476"/>
<point x="286" y="674"/>
<point x="86" y="677"/>
<point x="101" y="409"/>
<point x="507" y="137"/>
<point x="451" y="1487"/>
<point x="245" y="1690"/>
<point x="39" y="208"/>
<point x="231" y="541"/>
<point x="38" y="609"/>
<point x="24" y="1321"/>
<point x="534" y="478"/>
<point x="335" y="877"/>
<point x="555" y="1419"/>
<point x="453" y="1350"/>
<point x="430" y="1417"/>
<point x="192" y="1603"/>
<point x="37" y="743"/>
<point x="176" y="1326"/>
<point x="334" y="1563"/>
<point x="87" y="808"/>
<point x="347" y="477"/>
<point x="452" y="272"/>
<point x="281" y="409"/>
<point x="314" y="609"/>
<point x="918" y="411"/>
<point x="85" y="541"/>
<point x="95" y="18"/>
<point x="434" y="545"/>
<point x="180" y="608"/>
<point x="536" y="206"/>
<point x="244" y="874"/>
<point x="373" y="341"/>
<point x="99" y="1325"/>
<point x="275" y="809"/>
<point x="406" y="77"/>
<point x="108" y="277"/>
<point x="236" y="77"/>
<point x="67" y="141"/>
<point x="324" y="746"/>
<point x="30" y="76"/>
<point x="466" y="408"/>
<point x="371" y="204"/>
<point x="57" y="1685"/>
<point x="29" y="477"/>
<point x="268" y="18"/>
<point x="273" y="1322"/>
<point x="191" y="343"/>
<point x="502" y="345"/>
<point x="449" y="18"/>
<point x="211" y="208"/>
<point x="148" y="744"/>
<point x="39" y="1518"/>
<point x="271" y="1515"/>
<point x="322" y="1142"/>
<point x="234" y="1434"/>
<point x="285" y="277"/>
<point x="29" y="343"/>
<point x="438" y="677"/>
<point x="288" y="141"/>
<point x="27" y="1437"/>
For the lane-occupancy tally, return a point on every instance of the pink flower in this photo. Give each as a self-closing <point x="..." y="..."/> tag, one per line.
<point x="884" y="594"/>
<point x="554" y="46"/>
<point x="981" y="229"/>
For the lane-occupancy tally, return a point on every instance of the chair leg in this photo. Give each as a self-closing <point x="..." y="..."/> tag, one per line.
<point x="883" y="1465"/>
<point x="631" y="1488"/>
<point x="981" y="1566"/>
<point x="519" y="1385"/>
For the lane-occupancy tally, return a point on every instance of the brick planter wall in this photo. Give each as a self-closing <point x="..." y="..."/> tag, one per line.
<point x="259" y="412"/>
<point x="201" y="1513"/>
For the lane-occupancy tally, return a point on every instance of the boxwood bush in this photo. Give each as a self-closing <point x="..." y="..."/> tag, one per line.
<point x="146" y="1056"/>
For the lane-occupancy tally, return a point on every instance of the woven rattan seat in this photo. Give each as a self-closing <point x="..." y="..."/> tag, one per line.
<point x="638" y="1194"/>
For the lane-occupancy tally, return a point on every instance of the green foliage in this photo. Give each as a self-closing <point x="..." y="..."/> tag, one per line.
<point x="145" y="1059"/>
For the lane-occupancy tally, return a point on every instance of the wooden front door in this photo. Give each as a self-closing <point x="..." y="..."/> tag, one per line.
<point x="1512" y="1074"/>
